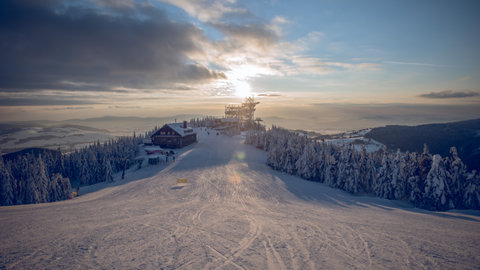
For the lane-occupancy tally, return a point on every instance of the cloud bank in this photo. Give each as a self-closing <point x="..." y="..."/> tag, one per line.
<point x="446" y="94"/>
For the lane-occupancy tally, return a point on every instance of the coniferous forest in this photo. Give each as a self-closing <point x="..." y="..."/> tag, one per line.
<point x="428" y="181"/>
<point x="49" y="175"/>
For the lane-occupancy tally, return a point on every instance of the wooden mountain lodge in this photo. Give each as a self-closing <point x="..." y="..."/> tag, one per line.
<point x="174" y="135"/>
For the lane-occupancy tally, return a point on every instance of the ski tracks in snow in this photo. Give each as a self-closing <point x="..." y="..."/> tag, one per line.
<point x="234" y="213"/>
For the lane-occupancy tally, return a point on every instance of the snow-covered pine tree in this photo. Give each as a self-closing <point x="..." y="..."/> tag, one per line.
<point x="59" y="164"/>
<point x="457" y="172"/>
<point x="108" y="170"/>
<point x="289" y="158"/>
<point x="41" y="178"/>
<point x="59" y="188"/>
<point x="425" y="162"/>
<point x="273" y="157"/>
<point x="415" y="185"/>
<point x="305" y="165"/>
<point x="331" y="168"/>
<point x="471" y="192"/>
<point x="365" y="171"/>
<point x="35" y="179"/>
<point x="7" y="183"/>
<point x="383" y="187"/>
<point x="398" y="176"/>
<point x="346" y="179"/>
<point x="437" y="194"/>
<point x="317" y="162"/>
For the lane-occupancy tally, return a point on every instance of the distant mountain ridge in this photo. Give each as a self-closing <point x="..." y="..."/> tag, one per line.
<point x="464" y="135"/>
<point x="35" y="151"/>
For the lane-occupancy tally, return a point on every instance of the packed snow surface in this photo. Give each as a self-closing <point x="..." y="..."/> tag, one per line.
<point x="233" y="213"/>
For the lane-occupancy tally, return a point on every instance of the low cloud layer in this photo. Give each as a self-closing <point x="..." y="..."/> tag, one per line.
<point x="450" y="94"/>
<point x="44" y="101"/>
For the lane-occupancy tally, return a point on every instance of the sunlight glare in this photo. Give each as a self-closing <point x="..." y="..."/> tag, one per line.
<point x="242" y="88"/>
<point x="240" y="75"/>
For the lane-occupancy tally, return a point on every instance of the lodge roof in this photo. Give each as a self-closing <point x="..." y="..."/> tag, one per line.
<point x="178" y="128"/>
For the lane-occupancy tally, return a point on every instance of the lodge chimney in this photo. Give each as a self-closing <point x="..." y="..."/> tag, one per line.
<point x="184" y="124"/>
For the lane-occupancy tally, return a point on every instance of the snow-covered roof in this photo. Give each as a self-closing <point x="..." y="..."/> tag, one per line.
<point x="178" y="127"/>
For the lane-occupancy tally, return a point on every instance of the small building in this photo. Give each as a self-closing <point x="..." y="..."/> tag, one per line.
<point x="174" y="135"/>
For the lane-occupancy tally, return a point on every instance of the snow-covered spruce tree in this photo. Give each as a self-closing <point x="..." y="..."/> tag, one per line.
<point x="318" y="162"/>
<point x="331" y="168"/>
<point x="108" y="170"/>
<point x="415" y="185"/>
<point x="19" y="168"/>
<point x="267" y="140"/>
<point x="418" y="168"/>
<point x="273" y="157"/>
<point x="59" y="188"/>
<point x="305" y="165"/>
<point x="59" y="164"/>
<point x="38" y="181"/>
<point x="425" y="162"/>
<point x="437" y="193"/>
<point x="383" y="187"/>
<point x="457" y="173"/>
<point x="290" y="157"/>
<point x="471" y="191"/>
<point x="398" y="176"/>
<point x="7" y="184"/>
<point x="35" y="180"/>
<point x="365" y="171"/>
<point x="346" y="179"/>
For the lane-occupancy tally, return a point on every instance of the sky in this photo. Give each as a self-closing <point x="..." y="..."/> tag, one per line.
<point x="318" y="65"/>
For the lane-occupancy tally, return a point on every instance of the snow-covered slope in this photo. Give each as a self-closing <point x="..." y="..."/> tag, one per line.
<point x="357" y="138"/>
<point x="234" y="212"/>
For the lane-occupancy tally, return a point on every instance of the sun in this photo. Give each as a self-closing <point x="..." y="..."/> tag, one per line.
<point x="242" y="88"/>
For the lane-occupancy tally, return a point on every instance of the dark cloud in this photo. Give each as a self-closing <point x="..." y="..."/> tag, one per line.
<point x="70" y="108"/>
<point x="45" y="43"/>
<point x="44" y="102"/>
<point x="449" y="94"/>
<point x="257" y="34"/>
<point x="123" y="107"/>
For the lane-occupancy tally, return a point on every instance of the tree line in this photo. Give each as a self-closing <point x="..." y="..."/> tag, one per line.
<point x="428" y="181"/>
<point x="49" y="176"/>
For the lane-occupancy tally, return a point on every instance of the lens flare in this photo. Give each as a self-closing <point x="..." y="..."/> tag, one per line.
<point x="240" y="156"/>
